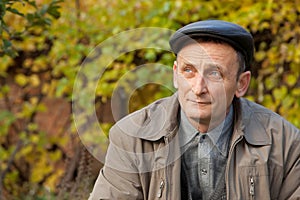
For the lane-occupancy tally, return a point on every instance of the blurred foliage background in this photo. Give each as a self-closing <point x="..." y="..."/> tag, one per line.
<point x="43" y="44"/>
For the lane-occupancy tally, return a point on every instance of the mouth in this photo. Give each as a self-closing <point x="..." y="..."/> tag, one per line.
<point x="200" y="102"/>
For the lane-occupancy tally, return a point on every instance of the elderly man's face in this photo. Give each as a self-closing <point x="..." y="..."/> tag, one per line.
<point x="205" y="75"/>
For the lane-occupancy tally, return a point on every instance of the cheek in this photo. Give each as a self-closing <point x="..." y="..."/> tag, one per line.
<point x="230" y="92"/>
<point x="216" y="89"/>
<point x="221" y="91"/>
<point x="183" y="84"/>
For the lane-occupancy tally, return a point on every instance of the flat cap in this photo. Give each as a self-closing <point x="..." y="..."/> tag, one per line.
<point x="233" y="34"/>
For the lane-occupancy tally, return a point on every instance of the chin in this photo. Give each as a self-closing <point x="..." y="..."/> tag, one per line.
<point x="199" y="117"/>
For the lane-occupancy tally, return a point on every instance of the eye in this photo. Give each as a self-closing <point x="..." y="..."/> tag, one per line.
<point x="188" y="71"/>
<point x="215" y="75"/>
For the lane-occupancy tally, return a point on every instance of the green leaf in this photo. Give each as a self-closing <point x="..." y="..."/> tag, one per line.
<point x="53" y="9"/>
<point x="15" y="11"/>
<point x="44" y="9"/>
<point x="61" y="87"/>
<point x="6" y="119"/>
<point x="2" y="10"/>
<point x="7" y="44"/>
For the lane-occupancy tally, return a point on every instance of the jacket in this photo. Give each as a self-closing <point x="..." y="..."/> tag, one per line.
<point x="143" y="158"/>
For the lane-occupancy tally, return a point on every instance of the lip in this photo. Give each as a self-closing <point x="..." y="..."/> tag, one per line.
<point x="200" y="102"/>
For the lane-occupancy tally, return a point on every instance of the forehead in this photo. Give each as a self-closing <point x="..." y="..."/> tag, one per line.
<point x="207" y="52"/>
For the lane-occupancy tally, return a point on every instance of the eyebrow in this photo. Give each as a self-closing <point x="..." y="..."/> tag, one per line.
<point x="206" y="65"/>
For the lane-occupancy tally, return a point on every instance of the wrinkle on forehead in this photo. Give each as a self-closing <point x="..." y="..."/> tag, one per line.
<point x="209" y="54"/>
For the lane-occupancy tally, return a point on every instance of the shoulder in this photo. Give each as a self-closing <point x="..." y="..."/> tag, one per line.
<point x="149" y="121"/>
<point x="257" y="118"/>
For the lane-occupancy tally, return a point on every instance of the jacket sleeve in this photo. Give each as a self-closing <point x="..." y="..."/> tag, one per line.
<point x="113" y="184"/>
<point x="291" y="183"/>
<point x="119" y="178"/>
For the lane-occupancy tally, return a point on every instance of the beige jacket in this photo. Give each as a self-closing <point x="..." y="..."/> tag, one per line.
<point x="143" y="159"/>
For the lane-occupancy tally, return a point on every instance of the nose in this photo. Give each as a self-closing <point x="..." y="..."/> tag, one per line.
<point x="199" y="86"/>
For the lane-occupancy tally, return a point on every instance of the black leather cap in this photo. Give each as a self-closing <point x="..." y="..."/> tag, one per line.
<point x="233" y="34"/>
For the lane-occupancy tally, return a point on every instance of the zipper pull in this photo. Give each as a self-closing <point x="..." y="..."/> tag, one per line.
<point x="161" y="187"/>
<point x="251" y="190"/>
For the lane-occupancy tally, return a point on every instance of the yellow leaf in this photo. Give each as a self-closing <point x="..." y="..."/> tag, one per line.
<point x="52" y="181"/>
<point x="34" y="139"/>
<point x="55" y="156"/>
<point x="34" y="80"/>
<point x="33" y="100"/>
<point x="40" y="169"/>
<point x="26" y="150"/>
<point x="21" y="79"/>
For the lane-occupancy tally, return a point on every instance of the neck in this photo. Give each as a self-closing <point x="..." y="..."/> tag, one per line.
<point x="206" y="125"/>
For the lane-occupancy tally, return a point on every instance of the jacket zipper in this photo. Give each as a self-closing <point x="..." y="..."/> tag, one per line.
<point x="229" y="158"/>
<point x="166" y="170"/>
<point x="161" y="187"/>
<point x="251" y="188"/>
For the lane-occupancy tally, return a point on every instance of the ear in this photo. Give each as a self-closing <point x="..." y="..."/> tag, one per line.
<point x="243" y="84"/>
<point x="175" y="74"/>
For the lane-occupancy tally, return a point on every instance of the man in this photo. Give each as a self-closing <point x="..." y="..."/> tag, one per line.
<point x="205" y="141"/>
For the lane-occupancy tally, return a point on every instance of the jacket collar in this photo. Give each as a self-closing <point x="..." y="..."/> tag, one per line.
<point x="153" y="122"/>
<point x="251" y="120"/>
